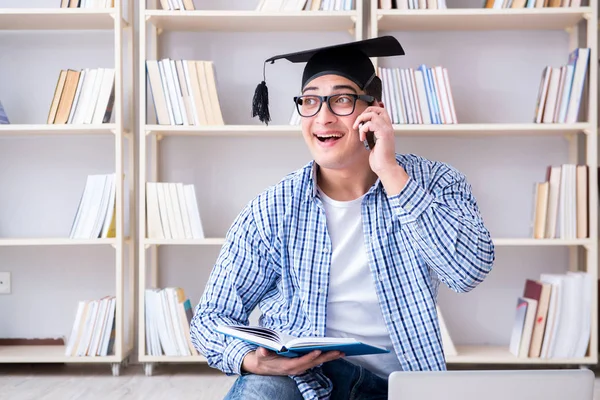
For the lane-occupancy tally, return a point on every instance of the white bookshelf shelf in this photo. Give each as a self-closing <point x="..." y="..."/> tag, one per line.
<point x="57" y="18"/>
<point x="185" y="242"/>
<point x="490" y="129"/>
<point x="51" y="129"/>
<point x="502" y="242"/>
<point x="501" y="355"/>
<point x="47" y="354"/>
<point x="56" y="242"/>
<point x="240" y="21"/>
<point x="173" y="359"/>
<point x="481" y="19"/>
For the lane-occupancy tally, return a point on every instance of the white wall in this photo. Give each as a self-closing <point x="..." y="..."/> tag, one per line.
<point x="494" y="76"/>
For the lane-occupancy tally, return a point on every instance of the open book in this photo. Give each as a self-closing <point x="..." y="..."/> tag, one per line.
<point x="291" y="346"/>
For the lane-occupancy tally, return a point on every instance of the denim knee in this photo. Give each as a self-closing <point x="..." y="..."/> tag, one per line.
<point x="263" y="387"/>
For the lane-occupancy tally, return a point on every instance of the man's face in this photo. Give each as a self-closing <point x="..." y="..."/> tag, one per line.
<point x="330" y="137"/>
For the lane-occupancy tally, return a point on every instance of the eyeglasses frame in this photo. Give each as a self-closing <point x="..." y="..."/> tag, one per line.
<point x="364" y="97"/>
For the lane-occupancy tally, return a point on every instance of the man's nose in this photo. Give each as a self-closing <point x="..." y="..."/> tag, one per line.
<point x="325" y="115"/>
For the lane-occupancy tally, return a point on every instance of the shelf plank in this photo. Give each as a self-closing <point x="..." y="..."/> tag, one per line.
<point x="491" y="129"/>
<point x="173" y="359"/>
<point x="251" y="21"/>
<point x="481" y="19"/>
<point x="501" y="355"/>
<point x="51" y="129"/>
<point x="541" y="242"/>
<point x="186" y="242"/>
<point x="497" y="242"/>
<point x="57" y="19"/>
<point x="55" y="242"/>
<point x="46" y="354"/>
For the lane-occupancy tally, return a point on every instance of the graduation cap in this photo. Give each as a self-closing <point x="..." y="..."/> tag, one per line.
<point x="350" y="60"/>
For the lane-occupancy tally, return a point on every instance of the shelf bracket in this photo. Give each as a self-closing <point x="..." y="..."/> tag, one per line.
<point x="113" y="245"/>
<point x="569" y="29"/>
<point x="114" y="131"/>
<point x="351" y="31"/>
<point x="379" y="17"/>
<point x="159" y="137"/>
<point x="353" y="18"/>
<point x="113" y="16"/>
<point x="159" y="31"/>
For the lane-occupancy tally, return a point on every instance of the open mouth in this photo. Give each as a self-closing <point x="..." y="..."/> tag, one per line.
<point x="328" y="138"/>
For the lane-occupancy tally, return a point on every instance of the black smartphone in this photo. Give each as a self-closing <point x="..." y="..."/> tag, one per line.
<point x="370" y="138"/>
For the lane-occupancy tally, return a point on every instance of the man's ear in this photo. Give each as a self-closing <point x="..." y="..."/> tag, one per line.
<point x="380" y="104"/>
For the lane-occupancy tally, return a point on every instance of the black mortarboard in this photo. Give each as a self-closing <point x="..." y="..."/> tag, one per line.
<point x="350" y="60"/>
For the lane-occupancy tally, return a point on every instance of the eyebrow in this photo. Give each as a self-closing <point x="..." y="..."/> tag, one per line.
<point x="336" y="87"/>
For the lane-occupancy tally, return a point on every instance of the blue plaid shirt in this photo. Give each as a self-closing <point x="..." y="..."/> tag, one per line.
<point x="277" y="256"/>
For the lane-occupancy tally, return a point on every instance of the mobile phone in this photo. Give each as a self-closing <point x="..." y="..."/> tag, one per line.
<point x="370" y="138"/>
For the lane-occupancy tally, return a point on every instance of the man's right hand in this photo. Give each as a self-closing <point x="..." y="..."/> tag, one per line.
<point x="265" y="362"/>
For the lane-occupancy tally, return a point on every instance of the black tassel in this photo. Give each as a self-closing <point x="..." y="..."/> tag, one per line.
<point x="260" y="103"/>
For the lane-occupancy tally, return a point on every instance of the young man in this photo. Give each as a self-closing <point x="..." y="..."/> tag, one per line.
<point x="352" y="245"/>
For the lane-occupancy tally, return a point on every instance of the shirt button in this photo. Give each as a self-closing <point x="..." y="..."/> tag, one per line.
<point x="408" y="206"/>
<point x="315" y="332"/>
<point x="320" y="290"/>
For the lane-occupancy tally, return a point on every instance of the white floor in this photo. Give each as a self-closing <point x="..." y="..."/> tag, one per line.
<point x="87" y="382"/>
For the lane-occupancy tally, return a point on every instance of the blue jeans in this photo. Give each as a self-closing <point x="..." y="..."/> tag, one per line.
<point x="350" y="382"/>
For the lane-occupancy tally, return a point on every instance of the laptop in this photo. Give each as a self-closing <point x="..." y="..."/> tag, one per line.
<point x="560" y="384"/>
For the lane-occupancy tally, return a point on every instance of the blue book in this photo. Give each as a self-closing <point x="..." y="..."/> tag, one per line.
<point x="3" y="116"/>
<point x="290" y="346"/>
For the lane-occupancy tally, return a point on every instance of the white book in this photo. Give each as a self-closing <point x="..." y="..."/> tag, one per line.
<point x="77" y="96"/>
<point x="110" y="322"/>
<point x="85" y="97"/>
<point x="173" y="102"/>
<point x="192" y="206"/>
<point x="77" y="326"/>
<point x="106" y="89"/>
<point x="185" y="215"/>
<point x="98" y="327"/>
<point x="91" y="106"/>
<point x="168" y="229"/>
<point x="180" y="339"/>
<point x="110" y="207"/>
<point x="153" y="221"/>
<point x="173" y="211"/>
<point x="165" y="86"/>
<point x="398" y="93"/>
<point x="422" y="96"/>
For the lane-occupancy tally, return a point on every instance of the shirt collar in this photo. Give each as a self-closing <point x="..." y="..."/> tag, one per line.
<point x="313" y="189"/>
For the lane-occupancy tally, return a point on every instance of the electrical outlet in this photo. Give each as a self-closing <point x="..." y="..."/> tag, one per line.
<point x="4" y="282"/>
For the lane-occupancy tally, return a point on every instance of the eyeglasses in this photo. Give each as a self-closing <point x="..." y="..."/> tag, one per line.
<point x="340" y="104"/>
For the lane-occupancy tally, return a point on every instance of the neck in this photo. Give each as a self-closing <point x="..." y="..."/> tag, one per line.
<point x="346" y="184"/>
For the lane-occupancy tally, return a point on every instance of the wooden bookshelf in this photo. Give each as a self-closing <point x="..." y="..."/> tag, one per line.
<point x="74" y="21"/>
<point x="157" y="21"/>
<point x="377" y="24"/>
<point x="581" y="26"/>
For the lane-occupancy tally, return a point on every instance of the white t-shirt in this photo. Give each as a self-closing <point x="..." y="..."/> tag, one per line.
<point x="352" y="306"/>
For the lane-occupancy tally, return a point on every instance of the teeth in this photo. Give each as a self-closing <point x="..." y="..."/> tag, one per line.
<point x="327" y="137"/>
